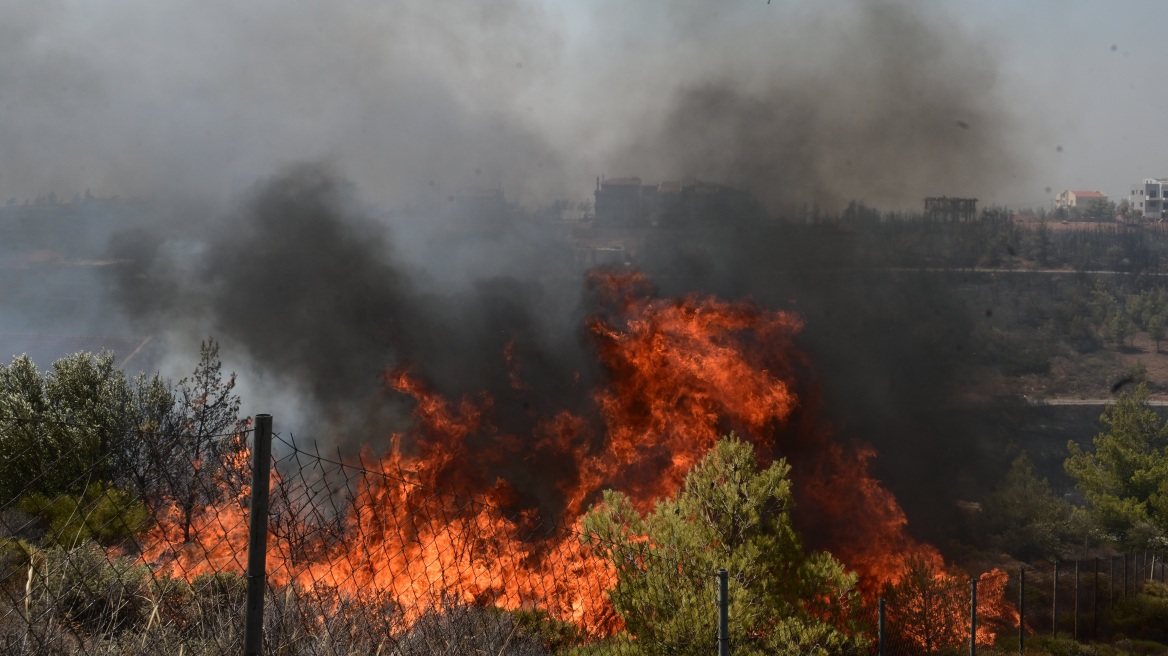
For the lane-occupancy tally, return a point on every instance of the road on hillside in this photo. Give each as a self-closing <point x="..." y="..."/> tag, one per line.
<point x="1047" y="272"/>
<point x="1070" y="401"/>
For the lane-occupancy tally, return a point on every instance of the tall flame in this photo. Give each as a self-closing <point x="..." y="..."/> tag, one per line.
<point x="680" y="374"/>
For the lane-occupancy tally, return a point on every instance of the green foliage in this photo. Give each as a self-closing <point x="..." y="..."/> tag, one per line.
<point x="1125" y="479"/>
<point x="1120" y="328"/>
<point x="63" y="430"/>
<point x="1156" y="329"/>
<point x="1045" y="644"/>
<point x="83" y="585"/>
<point x="555" y="635"/>
<point x="15" y="554"/>
<point x="1143" y="616"/>
<point x="1024" y="517"/>
<point x="102" y="513"/>
<point x="1082" y="316"/>
<point x="85" y="423"/>
<point x="730" y="515"/>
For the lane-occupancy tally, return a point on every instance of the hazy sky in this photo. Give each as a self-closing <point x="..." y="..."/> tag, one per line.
<point x="1088" y="77"/>
<point x="1092" y="75"/>
<point x="538" y="96"/>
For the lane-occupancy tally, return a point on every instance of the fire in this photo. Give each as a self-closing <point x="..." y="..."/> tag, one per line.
<point x="680" y="374"/>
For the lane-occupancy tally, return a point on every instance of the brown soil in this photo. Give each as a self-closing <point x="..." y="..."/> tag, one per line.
<point x="1094" y="375"/>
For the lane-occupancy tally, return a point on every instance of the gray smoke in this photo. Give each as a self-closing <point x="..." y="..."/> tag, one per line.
<point x="886" y="101"/>
<point x="311" y="287"/>
<point x="319" y="286"/>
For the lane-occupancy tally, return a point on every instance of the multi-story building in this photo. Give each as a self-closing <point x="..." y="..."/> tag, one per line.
<point x="1073" y="198"/>
<point x="1147" y="198"/>
<point x="627" y="202"/>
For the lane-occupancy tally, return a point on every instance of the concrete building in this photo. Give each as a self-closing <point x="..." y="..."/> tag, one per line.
<point x="624" y="202"/>
<point x="943" y="208"/>
<point x="627" y="202"/>
<point x="1074" y="198"/>
<point x="1147" y="198"/>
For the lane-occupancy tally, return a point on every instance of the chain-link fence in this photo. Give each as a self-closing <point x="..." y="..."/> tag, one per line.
<point x="137" y="542"/>
<point x="140" y="546"/>
<point x="1084" y="599"/>
<point x="86" y="513"/>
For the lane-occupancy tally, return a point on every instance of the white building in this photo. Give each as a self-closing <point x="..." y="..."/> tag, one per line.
<point x="1071" y="198"/>
<point x="1147" y="198"/>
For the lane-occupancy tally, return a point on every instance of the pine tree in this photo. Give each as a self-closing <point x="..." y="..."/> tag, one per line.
<point x="1125" y="480"/>
<point x="728" y="514"/>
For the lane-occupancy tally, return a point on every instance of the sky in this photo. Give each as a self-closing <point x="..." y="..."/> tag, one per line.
<point x="1091" y="76"/>
<point x="540" y="96"/>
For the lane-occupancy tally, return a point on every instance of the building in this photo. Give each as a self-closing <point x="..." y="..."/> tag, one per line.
<point x="1147" y="198"/>
<point x="624" y="202"/>
<point x="1074" y="198"/>
<point x="943" y="208"/>
<point x="627" y="202"/>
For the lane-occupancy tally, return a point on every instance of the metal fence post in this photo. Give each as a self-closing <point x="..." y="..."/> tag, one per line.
<point x="1021" y="609"/>
<point x="1111" y="584"/>
<point x="723" y="613"/>
<point x="1095" y="603"/>
<point x="881" y="638"/>
<point x="973" y="616"/>
<point x="1054" y="604"/>
<point x="1075" y="631"/>
<point x="257" y="544"/>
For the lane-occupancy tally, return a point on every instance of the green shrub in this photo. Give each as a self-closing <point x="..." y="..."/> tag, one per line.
<point x="86" y="587"/>
<point x="15" y="555"/>
<point x="555" y="635"/>
<point x="220" y="587"/>
<point x="1059" y="647"/>
<point x="102" y="513"/>
<point x="1144" y="616"/>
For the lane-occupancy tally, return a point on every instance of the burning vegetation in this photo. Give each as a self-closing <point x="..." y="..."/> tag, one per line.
<point x="426" y="522"/>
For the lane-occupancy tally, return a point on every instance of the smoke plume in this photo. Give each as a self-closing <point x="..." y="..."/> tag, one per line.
<point x="324" y="276"/>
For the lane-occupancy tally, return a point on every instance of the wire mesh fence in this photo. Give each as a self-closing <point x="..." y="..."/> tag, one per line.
<point x="87" y="511"/>
<point x="141" y="545"/>
<point x="136" y="542"/>
<point x="1083" y="599"/>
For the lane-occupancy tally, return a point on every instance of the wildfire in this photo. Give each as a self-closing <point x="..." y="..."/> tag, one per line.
<point x="680" y="374"/>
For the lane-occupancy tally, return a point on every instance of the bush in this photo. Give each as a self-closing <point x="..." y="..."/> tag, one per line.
<point x="728" y="514"/>
<point x="460" y="629"/>
<point x="102" y="513"/>
<point x="85" y="587"/>
<point x="1144" y="616"/>
<point x="555" y="635"/>
<point x="14" y="558"/>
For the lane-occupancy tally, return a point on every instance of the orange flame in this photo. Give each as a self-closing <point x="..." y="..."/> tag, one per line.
<point x="681" y="373"/>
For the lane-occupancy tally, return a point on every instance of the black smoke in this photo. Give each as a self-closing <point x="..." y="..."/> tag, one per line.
<point x="886" y="102"/>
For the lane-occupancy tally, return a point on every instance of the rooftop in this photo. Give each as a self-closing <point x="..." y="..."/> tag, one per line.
<point x="621" y="182"/>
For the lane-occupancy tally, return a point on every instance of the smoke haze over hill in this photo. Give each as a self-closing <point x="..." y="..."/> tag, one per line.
<point x="884" y="101"/>
<point x="317" y="293"/>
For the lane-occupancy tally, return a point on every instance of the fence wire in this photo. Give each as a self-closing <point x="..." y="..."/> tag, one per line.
<point x="137" y="544"/>
<point x="85" y="511"/>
